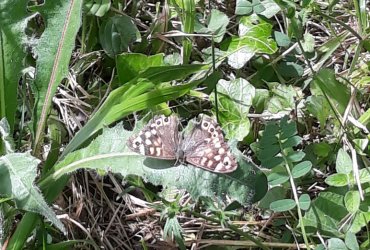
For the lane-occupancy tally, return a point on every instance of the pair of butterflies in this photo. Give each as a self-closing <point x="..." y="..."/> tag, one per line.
<point x="203" y="146"/>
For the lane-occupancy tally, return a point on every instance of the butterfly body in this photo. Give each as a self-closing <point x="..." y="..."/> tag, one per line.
<point x="202" y="146"/>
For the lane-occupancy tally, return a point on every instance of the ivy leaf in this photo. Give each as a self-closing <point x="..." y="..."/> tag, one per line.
<point x="108" y="152"/>
<point x="17" y="175"/>
<point x="254" y="37"/>
<point x="235" y="99"/>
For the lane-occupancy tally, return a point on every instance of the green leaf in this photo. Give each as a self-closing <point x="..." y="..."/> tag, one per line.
<point x="108" y="152"/>
<point x="281" y="39"/>
<point x="254" y="38"/>
<point x="6" y="139"/>
<point x="243" y="7"/>
<point x="129" y="65"/>
<point x="292" y="142"/>
<point x="304" y="201"/>
<point x="138" y="94"/>
<point x="282" y="205"/>
<point x="337" y="92"/>
<point x="217" y="24"/>
<point x="172" y="228"/>
<point x="290" y="69"/>
<point x="336" y="244"/>
<point x="14" y="18"/>
<point x="283" y="98"/>
<point x="235" y="100"/>
<point x="274" y="194"/>
<point x="260" y="99"/>
<point x="53" y="52"/>
<point x="117" y="34"/>
<point x="97" y="7"/>
<point x="308" y="43"/>
<point x="337" y="180"/>
<point x="352" y="201"/>
<point x="277" y="176"/>
<point x="17" y="173"/>
<point x="326" y="214"/>
<point x="344" y="162"/>
<point x="301" y="169"/>
<point x="271" y="8"/>
<point x="322" y="149"/>
<point x="296" y="156"/>
<point x="351" y="241"/>
<point x="319" y="107"/>
<point x="364" y="174"/>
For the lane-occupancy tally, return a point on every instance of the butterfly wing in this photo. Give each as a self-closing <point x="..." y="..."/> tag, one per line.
<point x="206" y="148"/>
<point x="158" y="139"/>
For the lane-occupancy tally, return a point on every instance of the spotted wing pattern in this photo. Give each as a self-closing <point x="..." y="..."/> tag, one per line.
<point x="158" y="139"/>
<point x="206" y="148"/>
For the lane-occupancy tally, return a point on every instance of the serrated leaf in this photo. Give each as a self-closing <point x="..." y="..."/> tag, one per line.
<point x="352" y="201"/>
<point x="108" y="152"/>
<point x="53" y="52"/>
<point x="18" y="173"/>
<point x="282" y="205"/>
<point x="254" y="37"/>
<point x="235" y="99"/>
<point x="304" y="202"/>
<point x="343" y="163"/>
<point x="337" y="180"/>
<point x="14" y="18"/>
<point x="301" y="169"/>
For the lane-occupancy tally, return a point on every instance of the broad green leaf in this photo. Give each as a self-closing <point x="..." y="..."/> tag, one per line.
<point x="260" y="99"/>
<point x="322" y="149"/>
<point x="53" y="52"/>
<point x="319" y="107"/>
<point x="337" y="180"/>
<point x="336" y="91"/>
<point x="361" y="220"/>
<point x="138" y="94"/>
<point x="304" y="201"/>
<point x="117" y="34"/>
<point x="271" y="8"/>
<point x="217" y="24"/>
<point x="352" y="201"/>
<point x="308" y="43"/>
<point x="292" y="142"/>
<point x="289" y="69"/>
<point x="235" y="99"/>
<point x="326" y="214"/>
<point x="274" y="194"/>
<point x="301" y="169"/>
<point x="336" y="244"/>
<point x="351" y="241"/>
<point x="108" y="152"/>
<point x="97" y="7"/>
<point x="14" y="18"/>
<point x="281" y="39"/>
<point x="254" y="37"/>
<point x="282" y="205"/>
<point x="364" y="174"/>
<point x="243" y="7"/>
<point x="344" y="162"/>
<point x="17" y="173"/>
<point x="129" y="65"/>
<point x="283" y="98"/>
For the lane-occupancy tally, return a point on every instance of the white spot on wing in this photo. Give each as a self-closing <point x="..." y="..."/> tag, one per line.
<point x="148" y="142"/>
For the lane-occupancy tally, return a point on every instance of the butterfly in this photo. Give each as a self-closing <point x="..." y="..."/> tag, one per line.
<point x="202" y="146"/>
